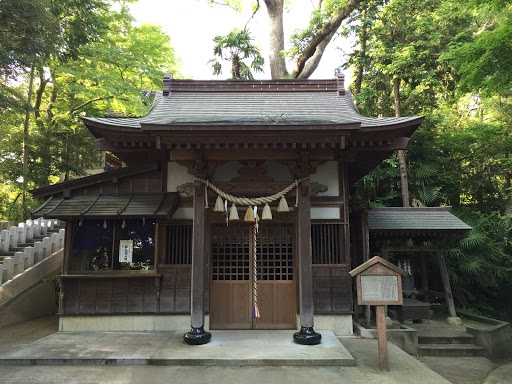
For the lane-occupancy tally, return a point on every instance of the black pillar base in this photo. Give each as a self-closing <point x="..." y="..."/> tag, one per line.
<point x="307" y="336"/>
<point x="197" y="336"/>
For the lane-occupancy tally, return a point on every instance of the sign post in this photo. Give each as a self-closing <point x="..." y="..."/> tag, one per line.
<point x="379" y="283"/>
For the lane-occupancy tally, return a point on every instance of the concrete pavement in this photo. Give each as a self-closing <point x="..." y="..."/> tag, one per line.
<point x="501" y="375"/>
<point x="235" y="347"/>
<point x="31" y="336"/>
<point x="404" y="369"/>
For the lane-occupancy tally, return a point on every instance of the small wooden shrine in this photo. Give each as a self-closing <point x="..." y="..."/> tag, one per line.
<point x="411" y="233"/>
<point x="231" y="211"/>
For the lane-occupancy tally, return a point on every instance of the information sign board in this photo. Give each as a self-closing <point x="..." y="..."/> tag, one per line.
<point x="125" y="251"/>
<point x="379" y="288"/>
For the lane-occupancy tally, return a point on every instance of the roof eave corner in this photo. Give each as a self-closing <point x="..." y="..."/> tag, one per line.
<point x="166" y="90"/>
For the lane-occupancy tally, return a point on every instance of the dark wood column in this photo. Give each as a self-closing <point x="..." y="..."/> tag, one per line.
<point x="198" y="335"/>
<point x="306" y="335"/>
<point x="304" y="256"/>
<point x="198" y="250"/>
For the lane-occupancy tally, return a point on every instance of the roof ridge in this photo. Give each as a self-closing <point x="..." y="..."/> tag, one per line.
<point x="280" y="85"/>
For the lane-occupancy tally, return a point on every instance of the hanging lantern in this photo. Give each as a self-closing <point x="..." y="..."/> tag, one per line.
<point x="233" y="213"/>
<point x="105" y="224"/>
<point x="219" y="205"/>
<point x="249" y="214"/>
<point x="267" y="213"/>
<point x="283" y="205"/>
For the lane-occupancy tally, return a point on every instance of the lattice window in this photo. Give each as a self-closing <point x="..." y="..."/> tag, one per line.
<point x="179" y="244"/>
<point x="275" y="252"/>
<point x="231" y="253"/>
<point x="326" y="243"/>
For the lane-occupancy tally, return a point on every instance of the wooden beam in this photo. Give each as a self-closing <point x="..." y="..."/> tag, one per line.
<point x="397" y="143"/>
<point x="198" y="251"/>
<point x="414" y="248"/>
<point x="222" y="154"/>
<point x="304" y="256"/>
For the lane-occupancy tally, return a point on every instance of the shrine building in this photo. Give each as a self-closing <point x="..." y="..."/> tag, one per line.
<point x="232" y="204"/>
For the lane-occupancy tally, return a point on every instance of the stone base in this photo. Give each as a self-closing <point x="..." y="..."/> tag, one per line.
<point x="307" y="336"/>
<point x="197" y="336"/>
<point x="127" y="323"/>
<point x="454" y="320"/>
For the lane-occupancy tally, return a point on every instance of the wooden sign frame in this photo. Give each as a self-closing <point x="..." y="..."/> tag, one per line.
<point x="378" y="267"/>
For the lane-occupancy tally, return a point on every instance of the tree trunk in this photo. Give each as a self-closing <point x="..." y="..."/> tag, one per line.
<point x="360" y="66"/>
<point x="53" y="96"/>
<point x="401" y="153"/>
<point x="508" y="184"/>
<point x="39" y="93"/>
<point x="25" y="143"/>
<point x="310" y="50"/>
<point x="275" y="15"/>
<point x="313" y="62"/>
<point x="235" y="67"/>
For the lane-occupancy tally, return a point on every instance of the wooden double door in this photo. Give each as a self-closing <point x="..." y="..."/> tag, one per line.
<point x="232" y="277"/>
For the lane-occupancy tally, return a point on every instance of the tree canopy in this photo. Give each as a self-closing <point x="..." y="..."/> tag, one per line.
<point x="92" y="61"/>
<point x="237" y="47"/>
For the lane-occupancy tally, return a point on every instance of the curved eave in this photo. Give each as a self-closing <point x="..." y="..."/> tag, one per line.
<point x="253" y="128"/>
<point x="95" y="125"/>
<point x="98" y="127"/>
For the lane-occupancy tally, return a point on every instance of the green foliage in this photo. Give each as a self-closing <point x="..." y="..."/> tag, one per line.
<point x="485" y="62"/>
<point x="453" y="62"/>
<point x="236" y="47"/>
<point x="480" y="264"/>
<point x="102" y="63"/>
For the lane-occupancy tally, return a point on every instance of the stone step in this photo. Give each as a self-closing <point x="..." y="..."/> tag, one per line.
<point x="450" y="350"/>
<point x="3" y="255"/>
<point x="24" y="245"/>
<point x="459" y="339"/>
<point x="16" y="249"/>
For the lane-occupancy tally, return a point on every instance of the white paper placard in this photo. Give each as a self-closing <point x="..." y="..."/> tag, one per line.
<point x="125" y="251"/>
<point x="379" y="288"/>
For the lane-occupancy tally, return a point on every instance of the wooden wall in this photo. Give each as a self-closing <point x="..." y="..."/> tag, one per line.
<point x="131" y="294"/>
<point x="332" y="288"/>
<point x="149" y="182"/>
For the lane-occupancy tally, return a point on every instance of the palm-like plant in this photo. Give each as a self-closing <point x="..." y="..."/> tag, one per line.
<point x="236" y="47"/>
<point x="480" y="265"/>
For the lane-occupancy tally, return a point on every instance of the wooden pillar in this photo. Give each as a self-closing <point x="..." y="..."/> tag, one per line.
<point x="446" y="281"/>
<point x="305" y="257"/>
<point x="306" y="335"/>
<point x="424" y="276"/>
<point x="198" y="248"/>
<point x="366" y="256"/>
<point x="198" y="335"/>
<point x="68" y="248"/>
<point x="382" y="339"/>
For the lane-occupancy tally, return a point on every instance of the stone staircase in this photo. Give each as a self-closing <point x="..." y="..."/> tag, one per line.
<point x="460" y="344"/>
<point x="29" y="243"/>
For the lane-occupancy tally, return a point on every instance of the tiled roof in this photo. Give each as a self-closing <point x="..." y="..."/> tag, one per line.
<point x="98" y="206"/>
<point x="268" y="104"/>
<point x="431" y="219"/>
